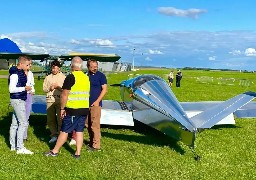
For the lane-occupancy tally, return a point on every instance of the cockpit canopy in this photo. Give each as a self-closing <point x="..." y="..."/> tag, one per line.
<point x="143" y="79"/>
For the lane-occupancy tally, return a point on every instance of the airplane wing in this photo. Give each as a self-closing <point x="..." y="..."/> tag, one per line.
<point x="213" y="115"/>
<point x="113" y="112"/>
<point x="116" y="113"/>
<point x="17" y="55"/>
<point x="97" y="57"/>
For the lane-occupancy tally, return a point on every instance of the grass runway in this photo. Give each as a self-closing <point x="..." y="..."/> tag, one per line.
<point x="227" y="152"/>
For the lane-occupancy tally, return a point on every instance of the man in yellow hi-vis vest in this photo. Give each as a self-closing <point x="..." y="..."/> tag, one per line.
<point x="74" y="107"/>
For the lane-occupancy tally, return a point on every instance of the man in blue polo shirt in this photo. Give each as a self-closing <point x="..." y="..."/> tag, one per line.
<point x="98" y="90"/>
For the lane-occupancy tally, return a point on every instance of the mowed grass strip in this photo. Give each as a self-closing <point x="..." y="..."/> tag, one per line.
<point x="227" y="152"/>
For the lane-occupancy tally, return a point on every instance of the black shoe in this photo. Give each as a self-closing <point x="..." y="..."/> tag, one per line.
<point x="76" y="156"/>
<point x="89" y="148"/>
<point x="50" y="153"/>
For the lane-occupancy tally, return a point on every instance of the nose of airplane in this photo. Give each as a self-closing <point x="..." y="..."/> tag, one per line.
<point x="158" y="95"/>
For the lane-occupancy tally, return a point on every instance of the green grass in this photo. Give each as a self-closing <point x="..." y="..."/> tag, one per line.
<point x="4" y="72"/>
<point x="227" y="152"/>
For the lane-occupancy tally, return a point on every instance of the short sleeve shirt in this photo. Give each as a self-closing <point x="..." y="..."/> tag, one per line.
<point x="96" y="81"/>
<point x="68" y="83"/>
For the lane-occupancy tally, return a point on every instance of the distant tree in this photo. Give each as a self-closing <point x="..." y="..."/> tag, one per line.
<point x="35" y="63"/>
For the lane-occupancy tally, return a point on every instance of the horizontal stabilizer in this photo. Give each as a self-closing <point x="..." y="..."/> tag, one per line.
<point x="247" y="111"/>
<point x="213" y="115"/>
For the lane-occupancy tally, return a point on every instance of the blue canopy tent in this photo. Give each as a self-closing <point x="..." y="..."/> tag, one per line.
<point x="8" y="46"/>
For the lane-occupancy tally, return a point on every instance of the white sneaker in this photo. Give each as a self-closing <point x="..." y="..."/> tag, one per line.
<point x="24" y="151"/>
<point x="54" y="139"/>
<point x="72" y="142"/>
<point x="13" y="149"/>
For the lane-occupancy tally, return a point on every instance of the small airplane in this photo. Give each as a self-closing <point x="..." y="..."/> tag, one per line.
<point x="149" y="100"/>
<point x="86" y="56"/>
<point x="11" y="59"/>
<point x="66" y="57"/>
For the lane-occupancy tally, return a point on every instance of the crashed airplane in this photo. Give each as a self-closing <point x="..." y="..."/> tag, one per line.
<point x="149" y="99"/>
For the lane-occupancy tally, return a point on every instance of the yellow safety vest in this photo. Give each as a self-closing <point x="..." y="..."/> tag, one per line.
<point x="79" y="94"/>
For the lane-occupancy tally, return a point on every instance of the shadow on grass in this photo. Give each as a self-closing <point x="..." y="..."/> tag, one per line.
<point x="151" y="136"/>
<point x="5" y="124"/>
<point x="220" y="127"/>
<point x="38" y="123"/>
<point x="225" y="126"/>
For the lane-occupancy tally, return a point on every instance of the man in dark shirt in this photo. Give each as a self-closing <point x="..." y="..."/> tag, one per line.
<point x="178" y="78"/>
<point x="74" y="107"/>
<point x="98" y="89"/>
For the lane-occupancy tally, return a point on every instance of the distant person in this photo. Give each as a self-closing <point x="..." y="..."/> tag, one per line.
<point x="53" y="87"/>
<point x="74" y="107"/>
<point x="31" y="83"/>
<point x="18" y="95"/>
<point x="178" y="78"/>
<point x="170" y="78"/>
<point x="98" y="83"/>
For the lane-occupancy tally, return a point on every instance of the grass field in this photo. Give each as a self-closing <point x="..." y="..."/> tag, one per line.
<point x="227" y="152"/>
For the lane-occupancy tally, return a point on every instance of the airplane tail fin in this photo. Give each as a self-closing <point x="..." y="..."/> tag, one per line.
<point x="211" y="116"/>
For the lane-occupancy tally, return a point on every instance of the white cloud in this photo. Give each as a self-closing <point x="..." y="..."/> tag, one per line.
<point x="148" y="59"/>
<point x="182" y="48"/>
<point x="154" y="51"/>
<point x="171" y="11"/>
<point x="235" y="52"/>
<point x="102" y="42"/>
<point x="43" y="48"/>
<point x="234" y="65"/>
<point x="2" y="36"/>
<point x="250" y="52"/>
<point x="212" y="58"/>
<point x="73" y="41"/>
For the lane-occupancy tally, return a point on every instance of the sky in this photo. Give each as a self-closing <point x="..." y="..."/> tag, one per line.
<point x="161" y="33"/>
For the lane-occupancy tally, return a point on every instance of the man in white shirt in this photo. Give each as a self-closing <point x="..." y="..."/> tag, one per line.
<point x="170" y="78"/>
<point x="18" y="95"/>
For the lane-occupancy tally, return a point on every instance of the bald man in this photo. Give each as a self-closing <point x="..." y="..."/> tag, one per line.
<point x="74" y="107"/>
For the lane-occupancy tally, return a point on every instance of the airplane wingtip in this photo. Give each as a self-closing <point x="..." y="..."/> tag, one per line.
<point x="250" y="93"/>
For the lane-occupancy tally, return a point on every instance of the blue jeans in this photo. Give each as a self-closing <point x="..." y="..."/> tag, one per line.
<point x="19" y="123"/>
